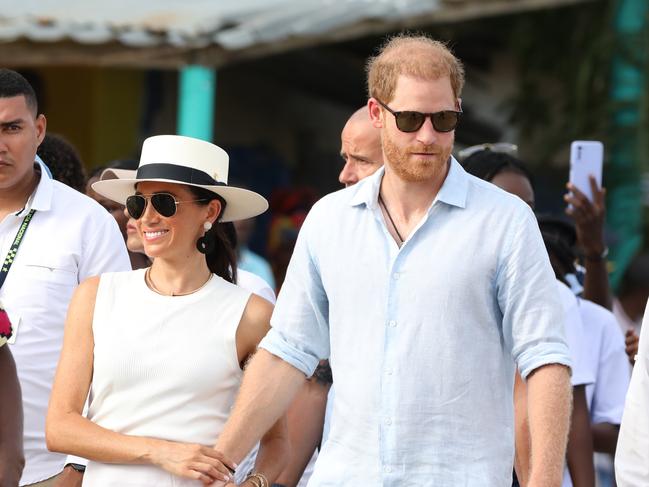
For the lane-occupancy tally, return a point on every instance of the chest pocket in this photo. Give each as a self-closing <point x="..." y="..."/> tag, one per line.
<point x="48" y="271"/>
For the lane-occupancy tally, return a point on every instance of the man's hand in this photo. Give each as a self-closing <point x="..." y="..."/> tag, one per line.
<point x="589" y="218"/>
<point x="193" y="461"/>
<point x="631" y="341"/>
<point x="69" y="478"/>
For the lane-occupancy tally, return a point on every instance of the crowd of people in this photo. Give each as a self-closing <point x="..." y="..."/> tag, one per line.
<point x="431" y="328"/>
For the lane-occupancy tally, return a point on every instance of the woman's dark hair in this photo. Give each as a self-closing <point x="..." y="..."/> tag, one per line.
<point x="487" y="164"/>
<point x="63" y="160"/>
<point x="560" y="238"/>
<point x="221" y="260"/>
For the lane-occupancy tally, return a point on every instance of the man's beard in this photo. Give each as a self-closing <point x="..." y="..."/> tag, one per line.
<point x="402" y="162"/>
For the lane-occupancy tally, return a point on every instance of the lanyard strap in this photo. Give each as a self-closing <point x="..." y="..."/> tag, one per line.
<point x="11" y="255"/>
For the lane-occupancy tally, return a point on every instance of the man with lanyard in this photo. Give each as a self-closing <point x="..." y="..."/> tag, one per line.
<point x="426" y="288"/>
<point x="51" y="238"/>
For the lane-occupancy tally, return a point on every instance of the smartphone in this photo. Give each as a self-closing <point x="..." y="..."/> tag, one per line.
<point x="586" y="159"/>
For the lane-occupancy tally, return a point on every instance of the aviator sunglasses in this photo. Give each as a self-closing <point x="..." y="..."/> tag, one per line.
<point x="409" y="121"/>
<point x="164" y="203"/>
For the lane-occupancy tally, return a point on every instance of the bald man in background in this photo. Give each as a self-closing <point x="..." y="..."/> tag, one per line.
<point x="360" y="148"/>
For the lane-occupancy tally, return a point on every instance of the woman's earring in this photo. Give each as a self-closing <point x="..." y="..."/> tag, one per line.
<point x="205" y="244"/>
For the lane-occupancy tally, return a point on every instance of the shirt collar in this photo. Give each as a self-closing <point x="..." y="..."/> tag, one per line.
<point x="456" y="185"/>
<point x="367" y="191"/>
<point x="41" y="198"/>
<point x="453" y="191"/>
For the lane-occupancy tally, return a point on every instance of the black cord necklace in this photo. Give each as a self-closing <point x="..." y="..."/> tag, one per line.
<point x="396" y="230"/>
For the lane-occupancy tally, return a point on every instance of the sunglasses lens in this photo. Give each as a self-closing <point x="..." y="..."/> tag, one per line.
<point x="410" y="121"/>
<point x="165" y="204"/>
<point x="445" y="121"/>
<point x="135" y="205"/>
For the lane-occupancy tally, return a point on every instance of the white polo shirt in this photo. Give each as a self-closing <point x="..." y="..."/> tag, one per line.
<point x="582" y="373"/>
<point x="70" y="238"/>
<point x="606" y="355"/>
<point x="606" y="359"/>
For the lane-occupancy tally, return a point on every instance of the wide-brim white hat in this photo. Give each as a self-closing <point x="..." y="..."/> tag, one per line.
<point x="183" y="160"/>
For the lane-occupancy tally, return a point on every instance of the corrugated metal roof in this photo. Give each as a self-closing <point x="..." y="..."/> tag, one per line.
<point x="228" y="26"/>
<point x="234" y="24"/>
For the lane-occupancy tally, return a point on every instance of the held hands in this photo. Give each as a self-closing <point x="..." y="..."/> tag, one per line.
<point x="193" y="461"/>
<point x="589" y="218"/>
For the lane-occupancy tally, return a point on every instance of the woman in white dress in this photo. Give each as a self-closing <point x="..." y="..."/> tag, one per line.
<point x="161" y="350"/>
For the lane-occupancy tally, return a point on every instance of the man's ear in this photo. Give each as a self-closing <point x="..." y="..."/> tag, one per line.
<point x="375" y="113"/>
<point x="41" y="126"/>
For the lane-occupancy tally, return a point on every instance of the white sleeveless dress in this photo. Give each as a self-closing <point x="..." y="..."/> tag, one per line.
<point x="164" y="367"/>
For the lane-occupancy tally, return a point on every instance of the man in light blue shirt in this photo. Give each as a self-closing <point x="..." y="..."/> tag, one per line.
<point x="426" y="288"/>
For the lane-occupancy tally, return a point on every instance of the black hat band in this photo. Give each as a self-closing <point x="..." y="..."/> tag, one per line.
<point x="182" y="174"/>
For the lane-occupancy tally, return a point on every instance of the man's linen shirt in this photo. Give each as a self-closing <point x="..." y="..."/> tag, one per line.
<point x="423" y="340"/>
<point x="70" y="238"/>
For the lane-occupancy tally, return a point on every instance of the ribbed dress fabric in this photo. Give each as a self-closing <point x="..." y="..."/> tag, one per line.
<point x="164" y="367"/>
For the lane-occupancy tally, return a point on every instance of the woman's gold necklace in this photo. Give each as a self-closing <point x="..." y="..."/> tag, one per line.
<point x="149" y="281"/>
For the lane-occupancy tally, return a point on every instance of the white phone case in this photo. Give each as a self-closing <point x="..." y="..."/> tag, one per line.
<point x="586" y="159"/>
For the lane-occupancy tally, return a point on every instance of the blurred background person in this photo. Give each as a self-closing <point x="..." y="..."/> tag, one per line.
<point x="289" y="208"/>
<point x="511" y="175"/>
<point x="631" y="300"/>
<point x="360" y="148"/>
<point x="604" y="347"/>
<point x="246" y="258"/>
<point x="63" y="161"/>
<point x="125" y="223"/>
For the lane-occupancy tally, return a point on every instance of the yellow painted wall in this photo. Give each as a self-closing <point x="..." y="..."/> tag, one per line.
<point x="96" y="109"/>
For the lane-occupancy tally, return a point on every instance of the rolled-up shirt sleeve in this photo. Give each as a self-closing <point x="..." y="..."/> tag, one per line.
<point x="299" y="331"/>
<point x="533" y="317"/>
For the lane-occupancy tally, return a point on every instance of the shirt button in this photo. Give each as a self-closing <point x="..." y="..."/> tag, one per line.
<point x="392" y="323"/>
<point x="387" y="469"/>
<point x="388" y="371"/>
<point x="396" y="276"/>
<point x="388" y="421"/>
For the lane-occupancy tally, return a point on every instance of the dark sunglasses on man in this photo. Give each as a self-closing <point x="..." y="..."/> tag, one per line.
<point x="410" y="121"/>
<point x="164" y="203"/>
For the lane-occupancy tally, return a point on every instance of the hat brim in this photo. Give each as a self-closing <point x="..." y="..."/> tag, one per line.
<point x="241" y="203"/>
<point x="114" y="173"/>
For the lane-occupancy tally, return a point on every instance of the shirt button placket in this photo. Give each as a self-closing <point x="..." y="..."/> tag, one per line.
<point x="388" y="377"/>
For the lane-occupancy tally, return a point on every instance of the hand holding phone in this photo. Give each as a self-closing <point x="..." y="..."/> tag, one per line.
<point x="586" y="199"/>
<point x="586" y="159"/>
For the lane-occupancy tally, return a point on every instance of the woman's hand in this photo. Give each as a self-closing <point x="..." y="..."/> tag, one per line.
<point x="631" y="341"/>
<point x="589" y="217"/>
<point x="193" y="461"/>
